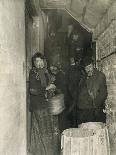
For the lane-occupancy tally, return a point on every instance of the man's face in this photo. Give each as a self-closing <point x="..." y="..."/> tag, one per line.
<point x="89" y="69"/>
<point x="72" y="61"/>
<point x="75" y="37"/>
<point x="54" y="70"/>
<point x="78" y="61"/>
<point x="70" y="28"/>
<point x="39" y="63"/>
<point x="52" y="34"/>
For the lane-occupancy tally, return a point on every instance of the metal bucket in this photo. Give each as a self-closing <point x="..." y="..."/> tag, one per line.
<point x="56" y="104"/>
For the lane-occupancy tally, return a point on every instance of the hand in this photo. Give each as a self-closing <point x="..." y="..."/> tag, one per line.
<point x="104" y="111"/>
<point x="46" y="95"/>
<point x="51" y="86"/>
<point x="91" y="94"/>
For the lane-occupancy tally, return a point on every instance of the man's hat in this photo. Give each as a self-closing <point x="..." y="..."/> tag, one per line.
<point x="87" y="61"/>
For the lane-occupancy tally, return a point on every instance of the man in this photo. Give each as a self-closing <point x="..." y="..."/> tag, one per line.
<point x="72" y="81"/>
<point x="50" y="47"/>
<point x="92" y="95"/>
<point x="76" y="43"/>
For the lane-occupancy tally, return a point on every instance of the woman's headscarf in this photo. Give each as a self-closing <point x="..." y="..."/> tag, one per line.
<point x="40" y="72"/>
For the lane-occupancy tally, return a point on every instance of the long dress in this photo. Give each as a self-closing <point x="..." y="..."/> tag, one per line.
<point x="44" y="127"/>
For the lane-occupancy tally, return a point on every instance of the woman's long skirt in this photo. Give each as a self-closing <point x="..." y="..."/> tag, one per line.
<point x="44" y="134"/>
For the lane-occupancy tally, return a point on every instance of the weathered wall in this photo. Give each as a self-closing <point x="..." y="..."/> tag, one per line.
<point x="28" y="35"/>
<point x="39" y="32"/>
<point x="105" y="35"/>
<point x="105" y="21"/>
<point x="12" y="78"/>
<point x="29" y="53"/>
<point x="35" y="35"/>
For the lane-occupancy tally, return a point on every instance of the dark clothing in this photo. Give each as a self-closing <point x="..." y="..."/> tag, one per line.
<point x="37" y="93"/>
<point x="44" y="134"/>
<point x="97" y="85"/>
<point x="60" y="81"/>
<point x="44" y="127"/>
<point x="60" y="85"/>
<point x="74" y="45"/>
<point x="91" y="108"/>
<point x="91" y="115"/>
<point x="50" y="49"/>
<point x="73" y="78"/>
<point x="68" y="42"/>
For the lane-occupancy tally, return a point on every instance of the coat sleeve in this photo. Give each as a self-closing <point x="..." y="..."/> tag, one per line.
<point x="34" y="87"/>
<point x="67" y="96"/>
<point x="101" y="95"/>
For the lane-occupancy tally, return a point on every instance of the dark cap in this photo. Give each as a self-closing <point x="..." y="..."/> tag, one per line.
<point x="87" y="61"/>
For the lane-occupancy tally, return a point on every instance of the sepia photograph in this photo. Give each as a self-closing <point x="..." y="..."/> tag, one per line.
<point x="57" y="77"/>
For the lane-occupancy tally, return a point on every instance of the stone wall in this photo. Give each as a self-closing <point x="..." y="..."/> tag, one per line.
<point x="12" y="78"/>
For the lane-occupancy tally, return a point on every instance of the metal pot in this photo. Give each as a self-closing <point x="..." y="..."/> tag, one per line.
<point x="56" y="104"/>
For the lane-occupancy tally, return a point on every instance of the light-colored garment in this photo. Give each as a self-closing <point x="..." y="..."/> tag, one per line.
<point x="85" y="142"/>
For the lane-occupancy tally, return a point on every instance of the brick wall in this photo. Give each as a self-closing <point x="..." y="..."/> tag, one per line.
<point x="105" y="35"/>
<point x="106" y="20"/>
<point x="106" y="57"/>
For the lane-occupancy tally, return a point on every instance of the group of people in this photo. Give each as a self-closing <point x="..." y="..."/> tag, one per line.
<point x="44" y="126"/>
<point x="85" y="92"/>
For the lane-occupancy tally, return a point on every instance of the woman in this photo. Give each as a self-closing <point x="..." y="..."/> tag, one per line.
<point x="44" y="132"/>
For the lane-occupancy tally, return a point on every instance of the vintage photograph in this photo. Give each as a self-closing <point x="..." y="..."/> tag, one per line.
<point x="57" y="77"/>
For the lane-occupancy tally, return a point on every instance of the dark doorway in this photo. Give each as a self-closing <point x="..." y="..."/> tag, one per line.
<point x="62" y="28"/>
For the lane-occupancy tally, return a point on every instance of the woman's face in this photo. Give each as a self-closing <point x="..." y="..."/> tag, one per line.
<point x="39" y="63"/>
